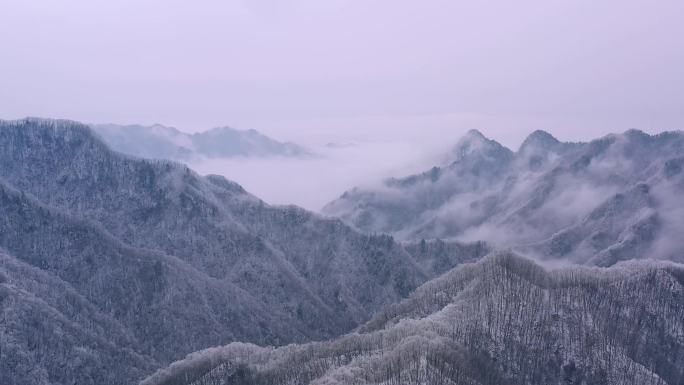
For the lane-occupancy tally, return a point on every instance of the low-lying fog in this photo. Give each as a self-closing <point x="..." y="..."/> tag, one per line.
<point x="364" y="151"/>
<point x="351" y="152"/>
<point x="312" y="182"/>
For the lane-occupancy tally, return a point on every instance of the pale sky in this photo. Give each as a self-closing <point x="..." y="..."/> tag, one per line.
<point x="416" y="73"/>
<point x="573" y="67"/>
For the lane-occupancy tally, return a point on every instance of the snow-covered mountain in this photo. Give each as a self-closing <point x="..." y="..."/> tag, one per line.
<point x="111" y="265"/>
<point x="614" y="198"/>
<point x="503" y="320"/>
<point x="161" y="142"/>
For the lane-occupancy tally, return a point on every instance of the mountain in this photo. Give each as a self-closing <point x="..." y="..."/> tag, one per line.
<point x="161" y="142"/>
<point x="51" y="334"/>
<point x="225" y="142"/>
<point x="502" y="320"/>
<point x="113" y="266"/>
<point x="121" y="264"/>
<point x="549" y="198"/>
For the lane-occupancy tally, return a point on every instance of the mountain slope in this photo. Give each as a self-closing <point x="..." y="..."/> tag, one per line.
<point x="487" y="192"/>
<point x="503" y="320"/>
<point x="156" y="297"/>
<point x="161" y="142"/>
<point x="181" y="262"/>
<point x="210" y="223"/>
<point x="643" y="220"/>
<point x="50" y="334"/>
<point x="224" y="142"/>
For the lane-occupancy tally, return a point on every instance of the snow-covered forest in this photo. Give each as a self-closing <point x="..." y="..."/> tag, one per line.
<point x="503" y="320"/>
<point x="114" y="268"/>
<point x="307" y="192"/>
<point x="171" y="261"/>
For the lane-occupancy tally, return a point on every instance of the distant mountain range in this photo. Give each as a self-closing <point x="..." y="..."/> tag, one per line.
<point x="161" y="142"/>
<point x="611" y="199"/>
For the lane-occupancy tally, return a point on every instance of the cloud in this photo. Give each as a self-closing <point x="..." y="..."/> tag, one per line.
<point x="313" y="182"/>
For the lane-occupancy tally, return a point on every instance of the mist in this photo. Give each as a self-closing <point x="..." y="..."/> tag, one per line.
<point x="400" y="80"/>
<point x="311" y="182"/>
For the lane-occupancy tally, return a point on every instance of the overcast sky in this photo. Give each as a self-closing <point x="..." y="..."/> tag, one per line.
<point x="314" y="68"/>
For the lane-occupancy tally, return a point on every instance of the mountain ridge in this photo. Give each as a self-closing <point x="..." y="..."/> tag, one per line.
<point x="501" y="320"/>
<point x="162" y="142"/>
<point x="513" y="199"/>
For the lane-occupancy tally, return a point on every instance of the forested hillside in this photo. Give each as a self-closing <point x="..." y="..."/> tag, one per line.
<point x="172" y="261"/>
<point x="503" y="320"/>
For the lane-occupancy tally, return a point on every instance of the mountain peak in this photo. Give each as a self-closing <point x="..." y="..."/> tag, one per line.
<point x="164" y="142"/>
<point x="638" y="137"/>
<point x="217" y="130"/>
<point x="474" y="142"/>
<point x="63" y="129"/>
<point x="635" y="132"/>
<point x="539" y="139"/>
<point x="471" y="140"/>
<point x="474" y="134"/>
